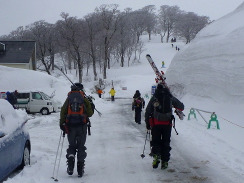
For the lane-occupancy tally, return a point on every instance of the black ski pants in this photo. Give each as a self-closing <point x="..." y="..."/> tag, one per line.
<point x="138" y="115"/>
<point x="161" y="141"/>
<point x="77" y="140"/>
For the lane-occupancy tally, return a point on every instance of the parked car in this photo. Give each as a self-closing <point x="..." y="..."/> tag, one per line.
<point x="15" y="145"/>
<point x="56" y="104"/>
<point x="35" y="102"/>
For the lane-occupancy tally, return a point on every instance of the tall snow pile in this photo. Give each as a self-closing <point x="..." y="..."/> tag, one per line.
<point x="213" y="61"/>
<point x="10" y="119"/>
<point x="29" y="80"/>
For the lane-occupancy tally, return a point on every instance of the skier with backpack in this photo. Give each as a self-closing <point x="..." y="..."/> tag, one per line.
<point x="74" y="116"/>
<point x="137" y="105"/>
<point x="159" y="119"/>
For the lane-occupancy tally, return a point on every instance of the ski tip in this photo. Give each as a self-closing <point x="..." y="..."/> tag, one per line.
<point x="148" y="55"/>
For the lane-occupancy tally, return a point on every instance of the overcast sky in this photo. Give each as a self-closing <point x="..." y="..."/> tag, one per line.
<point x="15" y="13"/>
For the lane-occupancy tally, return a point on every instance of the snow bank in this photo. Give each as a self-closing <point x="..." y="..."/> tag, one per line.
<point x="212" y="65"/>
<point x="29" y="80"/>
<point x="10" y="119"/>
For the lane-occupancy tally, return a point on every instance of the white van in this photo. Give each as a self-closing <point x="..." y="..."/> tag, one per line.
<point x="56" y="104"/>
<point x="35" y="102"/>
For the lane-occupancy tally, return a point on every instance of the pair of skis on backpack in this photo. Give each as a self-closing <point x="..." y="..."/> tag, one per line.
<point x="160" y="78"/>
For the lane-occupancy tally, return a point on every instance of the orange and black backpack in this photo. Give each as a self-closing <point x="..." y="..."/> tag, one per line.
<point x="76" y="108"/>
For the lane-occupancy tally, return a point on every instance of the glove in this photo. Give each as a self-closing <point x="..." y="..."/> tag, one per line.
<point x="62" y="127"/>
<point x="180" y="114"/>
<point x="148" y="126"/>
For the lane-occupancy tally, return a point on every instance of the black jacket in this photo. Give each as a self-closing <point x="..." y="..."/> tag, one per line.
<point x="150" y="112"/>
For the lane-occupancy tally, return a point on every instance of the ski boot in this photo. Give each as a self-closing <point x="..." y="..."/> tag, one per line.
<point x="70" y="163"/>
<point x="156" y="161"/>
<point x="164" y="165"/>
<point x="80" y="168"/>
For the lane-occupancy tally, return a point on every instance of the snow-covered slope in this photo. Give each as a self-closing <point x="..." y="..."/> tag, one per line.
<point x="213" y="64"/>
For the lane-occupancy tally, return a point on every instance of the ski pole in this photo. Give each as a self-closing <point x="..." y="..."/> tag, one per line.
<point x="60" y="157"/>
<point x="99" y="113"/>
<point x="142" y="155"/>
<point x="56" y="155"/>
<point x="150" y="145"/>
<point x="149" y="133"/>
<point x="89" y="126"/>
<point x="63" y="73"/>
<point x="174" y="126"/>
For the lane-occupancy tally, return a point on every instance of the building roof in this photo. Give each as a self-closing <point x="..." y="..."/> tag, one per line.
<point x="17" y="51"/>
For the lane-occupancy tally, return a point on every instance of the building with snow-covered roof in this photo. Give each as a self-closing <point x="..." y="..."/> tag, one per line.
<point x="18" y="54"/>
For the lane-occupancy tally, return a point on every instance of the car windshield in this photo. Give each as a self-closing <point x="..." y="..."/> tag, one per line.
<point x="45" y="96"/>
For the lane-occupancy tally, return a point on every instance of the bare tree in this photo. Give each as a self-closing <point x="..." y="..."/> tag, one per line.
<point x="189" y="24"/>
<point x="71" y="30"/>
<point x="149" y="19"/>
<point x="138" y="23"/>
<point x="40" y="32"/>
<point x="51" y="43"/>
<point x="109" y="19"/>
<point x="129" y="53"/>
<point x="93" y="28"/>
<point x="123" y="37"/>
<point x="168" y="15"/>
<point x="63" y="57"/>
<point x="140" y="49"/>
<point x="18" y="34"/>
<point x="161" y="28"/>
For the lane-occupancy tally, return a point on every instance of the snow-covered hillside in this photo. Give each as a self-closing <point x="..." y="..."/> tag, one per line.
<point x="213" y="64"/>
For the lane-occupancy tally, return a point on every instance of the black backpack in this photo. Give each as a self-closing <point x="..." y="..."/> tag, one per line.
<point x="163" y="101"/>
<point x="162" y="107"/>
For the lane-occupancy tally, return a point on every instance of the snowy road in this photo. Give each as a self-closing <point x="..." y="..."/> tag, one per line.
<point x="114" y="150"/>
